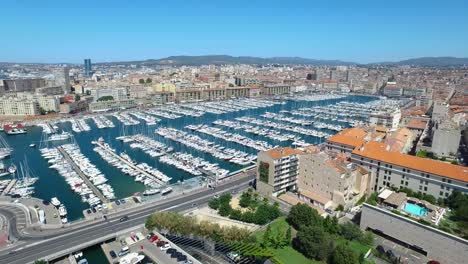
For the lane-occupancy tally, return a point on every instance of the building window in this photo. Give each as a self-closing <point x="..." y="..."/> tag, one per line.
<point x="446" y="194"/>
<point x="441" y="193"/>
<point x="402" y="182"/>
<point x="443" y="179"/>
<point x="420" y="187"/>
<point x="426" y="182"/>
<point x="406" y="183"/>
<point x="421" y="181"/>
<point x="449" y="181"/>
<point x="384" y="177"/>
<point x="441" y="187"/>
<point x="425" y="188"/>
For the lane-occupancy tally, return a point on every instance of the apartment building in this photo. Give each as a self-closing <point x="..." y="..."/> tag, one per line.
<point x="276" y="89"/>
<point x="400" y="170"/>
<point x="188" y="95"/>
<point x="111" y="105"/>
<point x="237" y="92"/>
<point x="277" y="170"/>
<point x="117" y="93"/>
<point x="389" y="119"/>
<point x="327" y="179"/>
<point x="346" y="140"/>
<point x="11" y="106"/>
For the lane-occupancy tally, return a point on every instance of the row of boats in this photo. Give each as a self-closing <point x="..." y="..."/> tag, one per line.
<point x="194" y="165"/>
<point x="102" y="122"/>
<point x="79" y="125"/>
<point x="58" y="162"/>
<point x="126" y="119"/>
<point x="259" y="145"/>
<point x="302" y="122"/>
<point x="142" y="172"/>
<point x="149" y="119"/>
<point x="279" y="126"/>
<point x="146" y="144"/>
<point x="203" y="145"/>
<point x="256" y="130"/>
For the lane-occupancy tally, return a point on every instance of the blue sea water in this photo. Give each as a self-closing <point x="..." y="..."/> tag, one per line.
<point x="51" y="184"/>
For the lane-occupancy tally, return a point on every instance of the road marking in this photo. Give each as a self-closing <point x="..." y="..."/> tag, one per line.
<point x="415" y="256"/>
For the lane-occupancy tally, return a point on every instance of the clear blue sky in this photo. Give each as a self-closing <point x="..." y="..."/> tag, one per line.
<point x="360" y="31"/>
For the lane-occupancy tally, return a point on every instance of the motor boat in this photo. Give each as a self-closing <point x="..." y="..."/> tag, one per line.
<point x="55" y="202"/>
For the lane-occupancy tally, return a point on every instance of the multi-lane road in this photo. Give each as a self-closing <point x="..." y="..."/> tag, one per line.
<point x="33" y="249"/>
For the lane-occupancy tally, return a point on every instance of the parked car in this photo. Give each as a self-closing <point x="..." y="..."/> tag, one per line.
<point x="171" y="251"/>
<point x="391" y="255"/>
<point x="124" y="251"/>
<point x="433" y="262"/>
<point x="112" y="254"/>
<point x="216" y="196"/>
<point x="188" y="261"/>
<point x="153" y="238"/>
<point x="123" y="218"/>
<point x="181" y="258"/>
<point x="117" y="202"/>
<point x="165" y="246"/>
<point x="160" y="243"/>
<point x="380" y="249"/>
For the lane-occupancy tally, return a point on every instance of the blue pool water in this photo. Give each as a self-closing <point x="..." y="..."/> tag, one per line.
<point x="415" y="209"/>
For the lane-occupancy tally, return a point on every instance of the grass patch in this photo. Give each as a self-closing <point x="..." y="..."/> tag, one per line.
<point x="290" y="255"/>
<point x="278" y="225"/>
<point x="354" y="245"/>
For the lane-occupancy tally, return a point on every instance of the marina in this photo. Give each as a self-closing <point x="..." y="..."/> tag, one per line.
<point x="202" y="139"/>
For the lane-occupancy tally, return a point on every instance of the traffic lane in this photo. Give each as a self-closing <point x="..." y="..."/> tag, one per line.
<point x="56" y="245"/>
<point x="219" y="189"/>
<point x="67" y="242"/>
<point x="11" y="218"/>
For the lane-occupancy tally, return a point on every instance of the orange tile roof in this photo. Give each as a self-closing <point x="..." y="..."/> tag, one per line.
<point x="282" y="152"/>
<point x="351" y="137"/>
<point x="417" y="123"/>
<point x="377" y="151"/>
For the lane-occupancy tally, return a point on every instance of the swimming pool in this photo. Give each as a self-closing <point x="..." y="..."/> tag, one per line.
<point x="415" y="209"/>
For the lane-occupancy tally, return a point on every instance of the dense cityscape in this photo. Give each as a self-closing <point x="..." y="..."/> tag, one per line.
<point x="259" y="158"/>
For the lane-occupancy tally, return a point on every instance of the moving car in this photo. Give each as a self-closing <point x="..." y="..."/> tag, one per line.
<point x="123" y="218"/>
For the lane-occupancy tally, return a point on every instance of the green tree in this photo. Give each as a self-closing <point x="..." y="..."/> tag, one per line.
<point x="105" y="98"/>
<point x="141" y="81"/>
<point x="148" y="80"/>
<point x="339" y="208"/>
<point x="224" y="209"/>
<point x="331" y="225"/>
<point x="314" y="242"/>
<point x="344" y="255"/>
<point x="214" y="203"/>
<point x="302" y="215"/>
<point x="77" y="97"/>
<point x="350" y="231"/>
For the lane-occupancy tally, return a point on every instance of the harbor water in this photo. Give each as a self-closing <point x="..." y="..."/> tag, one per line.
<point x="51" y="184"/>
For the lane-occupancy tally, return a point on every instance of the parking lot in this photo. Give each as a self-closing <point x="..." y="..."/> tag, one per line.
<point x="406" y="255"/>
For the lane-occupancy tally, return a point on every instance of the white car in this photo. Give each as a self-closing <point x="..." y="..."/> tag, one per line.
<point x="165" y="247"/>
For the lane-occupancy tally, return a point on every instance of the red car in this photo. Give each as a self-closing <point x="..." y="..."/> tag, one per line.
<point x="153" y="238"/>
<point x="433" y="262"/>
<point x="160" y="243"/>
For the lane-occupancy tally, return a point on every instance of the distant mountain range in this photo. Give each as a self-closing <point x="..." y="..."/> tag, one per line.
<point x="226" y="59"/>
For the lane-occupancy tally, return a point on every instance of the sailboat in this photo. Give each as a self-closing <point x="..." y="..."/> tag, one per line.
<point x="5" y="149"/>
<point x="4" y="171"/>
